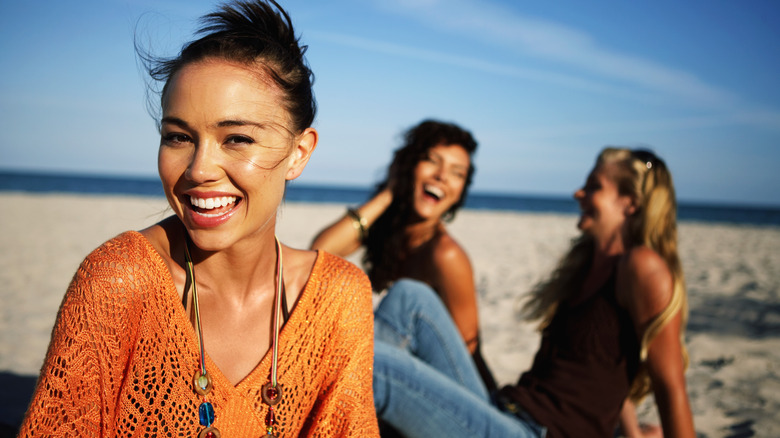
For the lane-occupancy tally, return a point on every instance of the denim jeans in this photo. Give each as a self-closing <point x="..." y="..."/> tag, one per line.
<point x="425" y="383"/>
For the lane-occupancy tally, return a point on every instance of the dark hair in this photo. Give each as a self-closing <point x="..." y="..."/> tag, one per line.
<point x="251" y="33"/>
<point x="386" y="245"/>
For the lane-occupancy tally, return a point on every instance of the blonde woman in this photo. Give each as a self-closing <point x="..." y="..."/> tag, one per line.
<point x="612" y="317"/>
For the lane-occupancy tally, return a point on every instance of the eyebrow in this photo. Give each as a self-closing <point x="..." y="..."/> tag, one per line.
<point x="221" y="124"/>
<point x="455" y="165"/>
<point x="174" y="121"/>
<point x="239" y="122"/>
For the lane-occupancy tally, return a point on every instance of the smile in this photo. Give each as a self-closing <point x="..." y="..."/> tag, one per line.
<point x="433" y="191"/>
<point x="213" y="207"/>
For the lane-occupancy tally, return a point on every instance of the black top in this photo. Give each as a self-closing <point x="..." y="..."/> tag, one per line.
<point x="588" y="357"/>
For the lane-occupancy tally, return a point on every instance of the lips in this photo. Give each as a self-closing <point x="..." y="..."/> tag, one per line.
<point x="212" y="205"/>
<point x="433" y="191"/>
<point x="210" y="210"/>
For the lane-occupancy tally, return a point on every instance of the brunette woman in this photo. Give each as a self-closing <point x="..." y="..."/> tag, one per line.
<point x="402" y="226"/>
<point x="204" y="324"/>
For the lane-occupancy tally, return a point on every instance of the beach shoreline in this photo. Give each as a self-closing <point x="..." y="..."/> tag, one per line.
<point x="732" y="273"/>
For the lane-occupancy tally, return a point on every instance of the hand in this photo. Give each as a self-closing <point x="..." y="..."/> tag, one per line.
<point x="651" y="431"/>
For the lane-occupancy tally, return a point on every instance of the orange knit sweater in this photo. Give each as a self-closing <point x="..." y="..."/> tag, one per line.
<point x="123" y="354"/>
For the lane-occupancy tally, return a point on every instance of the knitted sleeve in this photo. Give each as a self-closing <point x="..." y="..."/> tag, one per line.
<point x="82" y="372"/>
<point x="348" y="400"/>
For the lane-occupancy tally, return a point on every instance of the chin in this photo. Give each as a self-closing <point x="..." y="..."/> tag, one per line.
<point x="429" y="214"/>
<point x="583" y="225"/>
<point x="209" y="241"/>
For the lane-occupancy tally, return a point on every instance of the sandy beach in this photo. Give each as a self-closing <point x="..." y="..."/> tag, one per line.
<point x="732" y="272"/>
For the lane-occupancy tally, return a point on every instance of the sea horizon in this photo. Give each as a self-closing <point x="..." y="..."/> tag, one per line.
<point x="93" y="184"/>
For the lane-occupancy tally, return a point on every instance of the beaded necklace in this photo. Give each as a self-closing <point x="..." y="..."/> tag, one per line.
<point x="271" y="391"/>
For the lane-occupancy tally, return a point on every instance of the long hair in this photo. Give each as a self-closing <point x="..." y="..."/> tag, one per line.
<point x="386" y="242"/>
<point x="645" y="177"/>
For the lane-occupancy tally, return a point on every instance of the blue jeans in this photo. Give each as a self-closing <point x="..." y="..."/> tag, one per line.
<point x="425" y="383"/>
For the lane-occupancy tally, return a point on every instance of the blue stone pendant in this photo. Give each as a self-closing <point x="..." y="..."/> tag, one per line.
<point x="206" y="413"/>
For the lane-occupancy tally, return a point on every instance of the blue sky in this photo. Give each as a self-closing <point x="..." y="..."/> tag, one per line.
<point x="543" y="85"/>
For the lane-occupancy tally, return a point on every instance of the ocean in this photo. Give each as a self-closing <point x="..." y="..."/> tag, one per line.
<point x="31" y="182"/>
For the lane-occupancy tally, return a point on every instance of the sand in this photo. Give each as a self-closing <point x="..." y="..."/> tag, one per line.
<point x="733" y="276"/>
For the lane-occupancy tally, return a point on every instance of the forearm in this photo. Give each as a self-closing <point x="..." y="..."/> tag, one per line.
<point x="343" y="237"/>
<point x="629" y="425"/>
<point x="675" y="412"/>
<point x="468" y="327"/>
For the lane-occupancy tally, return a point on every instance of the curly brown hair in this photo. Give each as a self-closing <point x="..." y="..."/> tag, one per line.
<point x="386" y="244"/>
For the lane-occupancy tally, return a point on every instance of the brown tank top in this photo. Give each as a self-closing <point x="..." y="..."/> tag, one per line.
<point x="581" y="374"/>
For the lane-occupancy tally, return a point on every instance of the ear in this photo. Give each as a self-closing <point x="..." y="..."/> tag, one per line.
<point x="630" y="207"/>
<point x="305" y="143"/>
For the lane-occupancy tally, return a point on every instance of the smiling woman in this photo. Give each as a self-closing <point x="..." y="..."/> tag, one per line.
<point x="403" y="228"/>
<point x="224" y="135"/>
<point x="178" y="327"/>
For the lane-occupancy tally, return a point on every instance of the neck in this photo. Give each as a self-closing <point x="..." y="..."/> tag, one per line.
<point x="607" y="250"/>
<point x="612" y="245"/>
<point x="239" y="273"/>
<point x="421" y="232"/>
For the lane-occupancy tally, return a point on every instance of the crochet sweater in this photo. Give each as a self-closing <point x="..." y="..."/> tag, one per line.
<point x="123" y="354"/>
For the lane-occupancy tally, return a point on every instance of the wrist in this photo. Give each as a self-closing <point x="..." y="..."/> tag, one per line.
<point x="359" y="223"/>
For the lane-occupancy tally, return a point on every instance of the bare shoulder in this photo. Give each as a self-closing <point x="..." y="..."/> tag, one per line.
<point x="645" y="282"/>
<point x="447" y="251"/>
<point x="298" y="265"/>
<point x="642" y="259"/>
<point x="166" y="237"/>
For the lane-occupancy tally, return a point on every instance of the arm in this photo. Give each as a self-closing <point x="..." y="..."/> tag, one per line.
<point x="667" y="372"/>
<point x="630" y="427"/>
<point x="342" y="238"/>
<point x="454" y="282"/>
<point x="349" y="405"/>
<point x="74" y="391"/>
<point x="645" y="287"/>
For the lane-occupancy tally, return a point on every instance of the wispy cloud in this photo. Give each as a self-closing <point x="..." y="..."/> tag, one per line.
<point x="483" y="65"/>
<point x="758" y="119"/>
<point x="573" y="48"/>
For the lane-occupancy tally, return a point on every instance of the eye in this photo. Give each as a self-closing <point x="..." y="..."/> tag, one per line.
<point x="458" y="174"/>
<point x="238" y="140"/>
<point x="175" y="139"/>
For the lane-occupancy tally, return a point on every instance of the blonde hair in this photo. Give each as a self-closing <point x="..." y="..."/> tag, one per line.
<point x="646" y="179"/>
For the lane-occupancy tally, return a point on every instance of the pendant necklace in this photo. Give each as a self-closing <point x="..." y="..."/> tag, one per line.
<point x="271" y="391"/>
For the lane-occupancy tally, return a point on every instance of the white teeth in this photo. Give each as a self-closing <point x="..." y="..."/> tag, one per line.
<point x="211" y="203"/>
<point x="435" y="191"/>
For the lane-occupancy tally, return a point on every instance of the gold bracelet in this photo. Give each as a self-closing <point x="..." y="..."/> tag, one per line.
<point x="360" y="223"/>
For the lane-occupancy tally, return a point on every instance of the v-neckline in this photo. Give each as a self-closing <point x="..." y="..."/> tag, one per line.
<point x="219" y="379"/>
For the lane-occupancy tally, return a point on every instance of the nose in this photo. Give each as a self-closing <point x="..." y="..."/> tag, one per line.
<point x="579" y="194"/>
<point x="204" y="165"/>
<point x="440" y="174"/>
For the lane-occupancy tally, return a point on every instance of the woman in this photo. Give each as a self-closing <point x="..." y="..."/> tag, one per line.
<point x="178" y="329"/>
<point x="402" y="224"/>
<point x="612" y="315"/>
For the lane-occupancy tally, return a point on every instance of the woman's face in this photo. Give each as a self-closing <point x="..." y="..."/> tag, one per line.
<point x="440" y="178"/>
<point x="604" y="210"/>
<point x="225" y="153"/>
